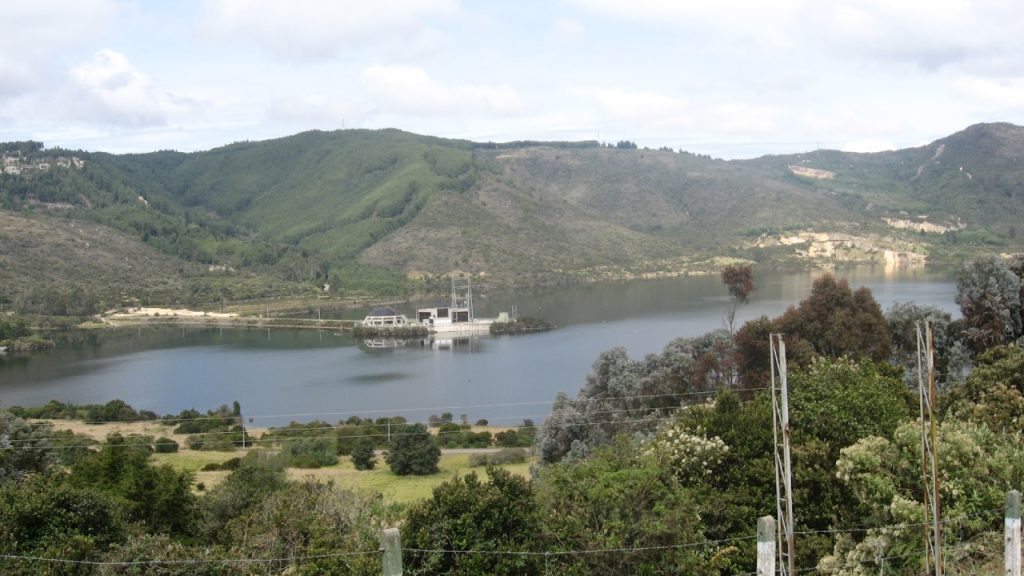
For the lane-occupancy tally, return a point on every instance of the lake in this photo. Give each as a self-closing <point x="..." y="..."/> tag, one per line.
<point x="280" y="375"/>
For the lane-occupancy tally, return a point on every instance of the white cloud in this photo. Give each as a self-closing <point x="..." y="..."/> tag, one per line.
<point x="756" y="21"/>
<point x="410" y="90"/>
<point x="312" y="111"/>
<point x="312" y="29"/>
<point x="685" y="12"/>
<point x="840" y="119"/>
<point x="109" y="90"/>
<point x="566" y="31"/>
<point x="33" y="33"/>
<point x="930" y="33"/>
<point x="1007" y="93"/>
<point x="742" y="118"/>
<point x="648" y="112"/>
<point x="641" y="107"/>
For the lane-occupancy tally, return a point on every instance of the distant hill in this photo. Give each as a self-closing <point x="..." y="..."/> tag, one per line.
<point x="372" y="211"/>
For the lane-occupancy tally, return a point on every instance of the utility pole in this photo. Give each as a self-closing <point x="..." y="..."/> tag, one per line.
<point x="928" y="399"/>
<point x="1012" y="533"/>
<point x="391" y="546"/>
<point x="783" y="461"/>
<point x="766" y="546"/>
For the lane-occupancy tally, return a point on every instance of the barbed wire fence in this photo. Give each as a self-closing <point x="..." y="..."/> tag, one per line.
<point x="392" y="554"/>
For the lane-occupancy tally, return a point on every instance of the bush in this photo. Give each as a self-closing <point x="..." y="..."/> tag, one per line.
<point x="500" y="515"/>
<point x="458" y="436"/>
<point x="165" y="445"/>
<point x="231" y="463"/>
<point x="193" y="422"/>
<point x="300" y="452"/>
<point x="413" y="451"/>
<point x="362" y="454"/>
<point x="506" y="456"/>
<point x="523" y="438"/>
<point x="211" y="441"/>
<point x="436" y="421"/>
<point x="305" y="461"/>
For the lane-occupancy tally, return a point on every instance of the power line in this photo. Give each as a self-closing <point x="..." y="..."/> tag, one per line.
<point x="186" y="561"/>
<point x="375" y="424"/>
<point x="534" y="553"/>
<point x="356" y="436"/>
<point x="192" y="561"/>
<point x="621" y="550"/>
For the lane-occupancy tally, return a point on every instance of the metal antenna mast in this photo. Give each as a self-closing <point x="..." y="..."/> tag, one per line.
<point x="783" y="464"/>
<point x="929" y="450"/>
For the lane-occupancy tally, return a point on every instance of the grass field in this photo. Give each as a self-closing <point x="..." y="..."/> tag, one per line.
<point x="395" y="489"/>
<point x="399" y="489"/>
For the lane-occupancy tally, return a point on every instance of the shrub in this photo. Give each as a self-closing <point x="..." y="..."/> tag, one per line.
<point x="506" y="456"/>
<point x="362" y="455"/>
<point x="165" y="445"/>
<point x="298" y="452"/>
<point x="515" y="438"/>
<point x="413" y="451"/>
<point x="305" y="460"/>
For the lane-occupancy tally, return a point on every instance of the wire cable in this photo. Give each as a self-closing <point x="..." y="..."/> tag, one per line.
<point x="351" y="436"/>
<point x="186" y="561"/>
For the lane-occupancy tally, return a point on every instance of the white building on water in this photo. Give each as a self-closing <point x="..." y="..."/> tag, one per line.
<point x="385" y="317"/>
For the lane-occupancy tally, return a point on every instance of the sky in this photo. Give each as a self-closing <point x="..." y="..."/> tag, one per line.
<point x="730" y="78"/>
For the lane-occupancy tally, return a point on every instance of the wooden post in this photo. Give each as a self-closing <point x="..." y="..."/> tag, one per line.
<point x="1012" y="553"/>
<point x="766" y="546"/>
<point x="391" y="545"/>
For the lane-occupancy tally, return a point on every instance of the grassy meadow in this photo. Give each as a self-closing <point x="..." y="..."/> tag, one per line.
<point x="394" y="489"/>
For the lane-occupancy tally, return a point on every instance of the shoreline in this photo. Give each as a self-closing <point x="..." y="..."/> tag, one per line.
<point x="222" y="322"/>
<point x="240" y="314"/>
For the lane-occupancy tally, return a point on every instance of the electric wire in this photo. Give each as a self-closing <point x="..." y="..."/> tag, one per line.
<point x="347" y="436"/>
<point x="10" y="443"/>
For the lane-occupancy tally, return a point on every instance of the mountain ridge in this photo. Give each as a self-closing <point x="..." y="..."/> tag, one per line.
<point x="371" y="211"/>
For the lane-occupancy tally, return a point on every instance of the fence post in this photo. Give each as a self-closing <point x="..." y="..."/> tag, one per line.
<point x="766" y="546"/>
<point x="1012" y="524"/>
<point x="391" y="545"/>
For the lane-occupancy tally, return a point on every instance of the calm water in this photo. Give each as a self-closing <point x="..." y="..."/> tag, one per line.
<point x="284" y="375"/>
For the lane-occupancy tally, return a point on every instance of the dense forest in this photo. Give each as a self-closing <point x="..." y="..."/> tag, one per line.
<point x="659" y="465"/>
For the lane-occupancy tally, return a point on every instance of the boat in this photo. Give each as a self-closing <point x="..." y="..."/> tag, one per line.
<point x="457" y="317"/>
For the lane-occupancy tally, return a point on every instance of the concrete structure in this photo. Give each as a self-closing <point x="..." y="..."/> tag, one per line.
<point x="385" y="317"/>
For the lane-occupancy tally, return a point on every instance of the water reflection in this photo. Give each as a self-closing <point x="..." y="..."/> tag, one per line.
<point x="379" y="377"/>
<point x="473" y="343"/>
<point x="168" y="369"/>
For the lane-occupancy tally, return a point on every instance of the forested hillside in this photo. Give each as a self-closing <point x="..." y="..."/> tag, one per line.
<point x="373" y="212"/>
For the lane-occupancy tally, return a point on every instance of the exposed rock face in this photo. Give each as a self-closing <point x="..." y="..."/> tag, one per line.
<point x="812" y="173"/>
<point x="924" y="226"/>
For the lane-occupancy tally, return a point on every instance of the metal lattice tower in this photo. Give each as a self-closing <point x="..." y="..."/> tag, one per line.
<point x="929" y="450"/>
<point x="465" y="291"/>
<point x="783" y="464"/>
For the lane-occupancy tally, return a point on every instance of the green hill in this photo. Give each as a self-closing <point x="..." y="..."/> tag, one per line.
<point x="371" y="211"/>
